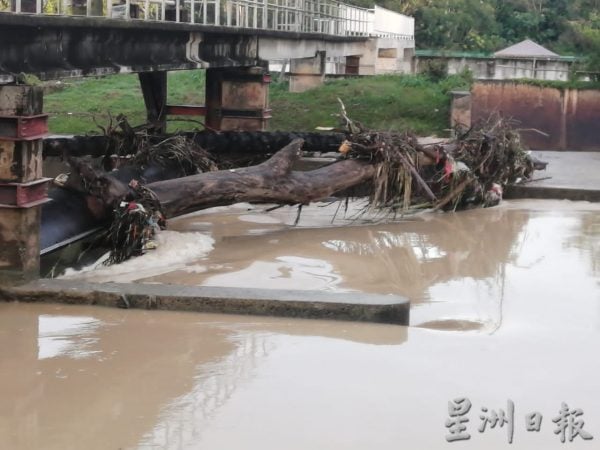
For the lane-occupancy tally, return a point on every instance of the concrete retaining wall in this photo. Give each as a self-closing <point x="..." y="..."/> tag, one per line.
<point x="489" y="68"/>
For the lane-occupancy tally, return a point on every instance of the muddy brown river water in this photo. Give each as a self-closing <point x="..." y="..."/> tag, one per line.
<point x="505" y="307"/>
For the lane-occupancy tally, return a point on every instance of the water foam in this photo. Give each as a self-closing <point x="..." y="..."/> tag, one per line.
<point x="175" y="250"/>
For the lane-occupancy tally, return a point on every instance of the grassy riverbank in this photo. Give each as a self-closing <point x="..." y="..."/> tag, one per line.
<point x="383" y="102"/>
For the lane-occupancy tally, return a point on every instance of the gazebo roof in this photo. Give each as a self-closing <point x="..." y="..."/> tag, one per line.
<point x="526" y="49"/>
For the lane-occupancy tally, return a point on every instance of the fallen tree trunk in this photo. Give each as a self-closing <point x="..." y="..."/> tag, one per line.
<point x="139" y="210"/>
<point x="273" y="181"/>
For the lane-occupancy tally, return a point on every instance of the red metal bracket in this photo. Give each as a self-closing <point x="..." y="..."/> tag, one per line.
<point x="186" y="110"/>
<point x="23" y="128"/>
<point x="246" y="113"/>
<point x="24" y="195"/>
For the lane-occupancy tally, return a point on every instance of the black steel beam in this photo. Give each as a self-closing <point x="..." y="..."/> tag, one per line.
<point x="52" y="47"/>
<point x="62" y="49"/>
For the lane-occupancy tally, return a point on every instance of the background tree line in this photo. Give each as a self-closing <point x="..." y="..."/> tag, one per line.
<point x="565" y="26"/>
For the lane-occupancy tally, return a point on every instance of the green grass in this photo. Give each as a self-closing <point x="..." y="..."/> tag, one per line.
<point x="74" y="109"/>
<point x="382" y="102"/>
<point x="389" y="102"/>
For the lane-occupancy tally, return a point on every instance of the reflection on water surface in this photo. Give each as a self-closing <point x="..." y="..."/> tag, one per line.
<point x="505" y="306"/>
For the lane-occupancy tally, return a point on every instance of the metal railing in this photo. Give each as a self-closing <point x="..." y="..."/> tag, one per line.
<point x="306" y="16"/>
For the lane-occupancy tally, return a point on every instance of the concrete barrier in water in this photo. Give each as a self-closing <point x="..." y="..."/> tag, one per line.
<point x="569" y="176"/>
<point x="352" y="306"/>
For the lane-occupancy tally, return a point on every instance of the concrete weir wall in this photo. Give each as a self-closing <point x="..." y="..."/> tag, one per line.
<point x="569" y="117"/>
<point x="349" y="306"/>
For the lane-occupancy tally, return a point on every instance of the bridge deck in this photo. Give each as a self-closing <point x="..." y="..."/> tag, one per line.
<point x="55" y="21"/>
<point x="53" y="47"/>
<point x="92" y="37"/>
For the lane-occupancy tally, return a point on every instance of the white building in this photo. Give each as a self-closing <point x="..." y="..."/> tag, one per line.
<point x="526" y="59"/>
<point x="390" y="49"/>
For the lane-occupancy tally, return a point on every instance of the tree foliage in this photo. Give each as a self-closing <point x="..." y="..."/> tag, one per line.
<point x="590" y="42"/>
<point x="565" y="26"/>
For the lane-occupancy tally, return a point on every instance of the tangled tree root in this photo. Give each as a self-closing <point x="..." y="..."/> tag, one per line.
<point x="470" y="171"/>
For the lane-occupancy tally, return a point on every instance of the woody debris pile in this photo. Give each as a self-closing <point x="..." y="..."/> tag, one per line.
<point x="397" y="174"/>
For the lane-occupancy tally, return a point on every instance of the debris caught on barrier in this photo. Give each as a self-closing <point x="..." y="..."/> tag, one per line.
<point x="398" y="174"/>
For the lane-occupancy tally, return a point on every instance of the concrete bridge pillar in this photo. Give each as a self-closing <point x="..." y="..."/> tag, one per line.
<point x="237" y="98"/>
<point x="22" y="187"/>
<point x="154" y="90"/>
<point x="307" y="73"/>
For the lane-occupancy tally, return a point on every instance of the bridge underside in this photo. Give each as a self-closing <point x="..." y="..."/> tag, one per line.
<point x="61" y="47"/>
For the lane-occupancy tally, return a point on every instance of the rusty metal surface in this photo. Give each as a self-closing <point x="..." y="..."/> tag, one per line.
<point x="237" y="99"/>
<point x="533" y="107"/>
<point x="583" y="120"/>
<point x="20" y="241"/>
<point x="186" y="110"/>
<point x="24" y="195"/>
<point x="21" y="128"/>
<point x="244" y="95"/>
<point x="239" y="123"/>
<point x="20" y="161"/>
<point x="22" y="188"/>
<point x="569" y="117"/>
